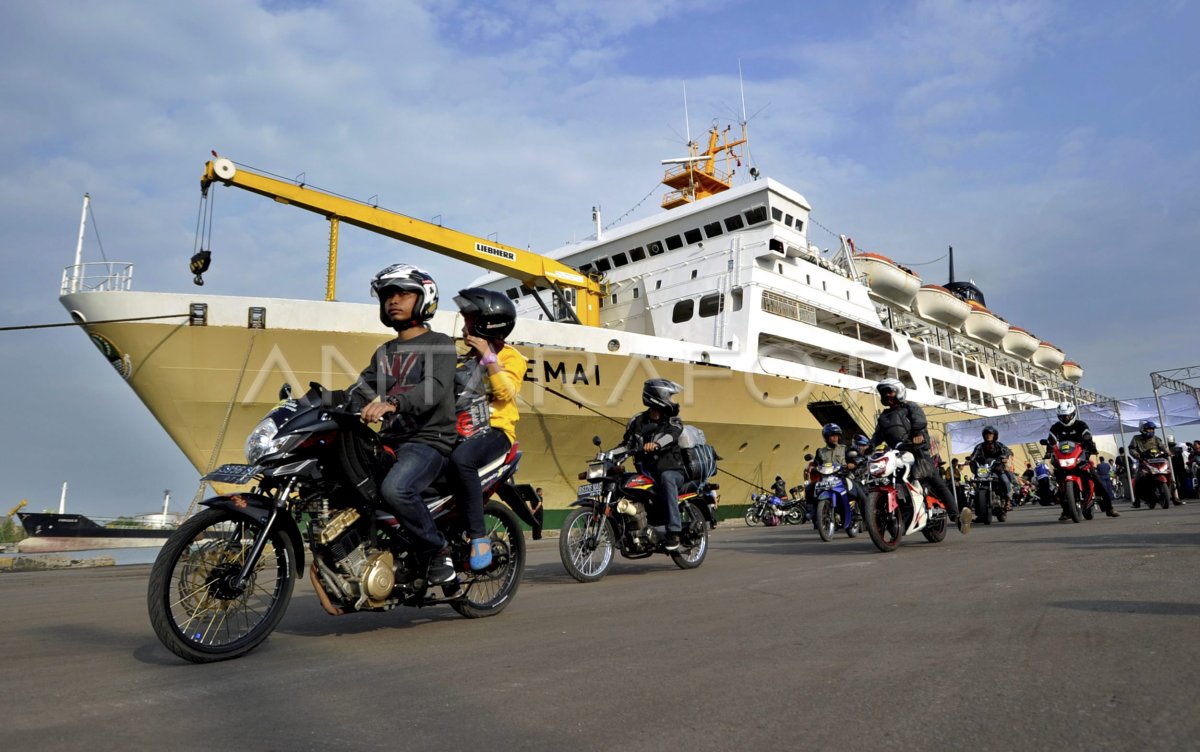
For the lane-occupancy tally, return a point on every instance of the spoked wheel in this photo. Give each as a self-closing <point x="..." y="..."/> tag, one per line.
<point x="884" y="527"/>
<point x="490" y="590"/>
<point x="825" y="519"/>
<point x="196" y="607"/>
<point x="693" y="541"/>
<point x="586" y="545"/>
<point x="1071" y="501"/>
<point x="753" y="516"/>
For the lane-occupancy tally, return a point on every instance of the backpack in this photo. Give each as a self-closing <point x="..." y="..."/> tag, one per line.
<point x="699" y="458"/>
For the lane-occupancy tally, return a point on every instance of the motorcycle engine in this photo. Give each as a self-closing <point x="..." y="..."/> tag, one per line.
<point x="639" y="533"/>
<point x="363" y="575"/>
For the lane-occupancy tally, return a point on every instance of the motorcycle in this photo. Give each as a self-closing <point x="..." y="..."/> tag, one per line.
<point x="988" y="489"/>
<point x="897" y="505"/>
<point x="1153" y="483"/>
<point x="620" y="511"/>
<point x="223" y="580"/>
<point x="1047" y="489"/>
<point x="835" y="510"/>
<point x="1075" y="493"/>
<point x="770" y="510"/>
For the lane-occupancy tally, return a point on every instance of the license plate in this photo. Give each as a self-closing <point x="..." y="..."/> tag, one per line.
<point x="232" y="474"/>
<point x="591" y="490"/>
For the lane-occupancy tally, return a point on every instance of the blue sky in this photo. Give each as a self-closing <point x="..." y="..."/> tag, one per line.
<point x="1054" y="144"/>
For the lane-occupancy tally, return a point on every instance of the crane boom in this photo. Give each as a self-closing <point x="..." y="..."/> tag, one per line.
<point x="531" y="269"/>
<point x="18" y="507"/>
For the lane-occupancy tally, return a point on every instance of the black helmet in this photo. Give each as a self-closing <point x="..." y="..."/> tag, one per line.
<point x="657" y="393"/>
<point x="407" y="278"/>
<point x="489" y="313"/>
<point x="829" y="429"/>
<point x="992" y="430"/>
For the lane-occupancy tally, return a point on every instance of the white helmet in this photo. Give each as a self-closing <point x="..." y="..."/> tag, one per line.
<point x="1066" y="413"/>
<point x="895" y="386"/>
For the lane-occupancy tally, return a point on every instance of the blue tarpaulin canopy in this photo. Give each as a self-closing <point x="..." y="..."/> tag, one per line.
<point x="1179" y="409"/>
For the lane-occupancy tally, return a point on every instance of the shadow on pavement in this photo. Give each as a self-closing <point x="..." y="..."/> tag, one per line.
<point x="1157" y="608"/>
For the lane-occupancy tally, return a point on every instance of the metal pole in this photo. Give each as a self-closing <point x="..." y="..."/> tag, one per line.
<point x="331" y="273"/>
<point x="1125" y="446"/>
<point x="1162" y="421"/>
<point x="76" y="273"/>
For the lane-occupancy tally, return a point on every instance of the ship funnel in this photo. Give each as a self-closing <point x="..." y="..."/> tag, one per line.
<point x="951" y="263"/>
<point x="62" y="500"/>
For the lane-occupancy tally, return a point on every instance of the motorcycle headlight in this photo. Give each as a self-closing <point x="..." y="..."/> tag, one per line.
<point x="261" y="440"/>
<point x="878" y="467"/>
<point x="596" y="471"/>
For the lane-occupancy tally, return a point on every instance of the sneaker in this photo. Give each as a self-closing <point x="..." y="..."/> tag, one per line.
<point x="964" y="520"/>
<point x="441" y="570"/>
<point x="1113" y="513"/>
<point x="672" y="541"/>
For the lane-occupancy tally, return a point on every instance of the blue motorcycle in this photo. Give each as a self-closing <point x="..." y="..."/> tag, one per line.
<point x="835" y="510"/>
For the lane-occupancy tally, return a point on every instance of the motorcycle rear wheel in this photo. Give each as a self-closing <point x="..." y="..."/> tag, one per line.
<point x="586" y="545"/>
<point x="693" y="540"/>
<point x="194" y="609"/>
<point x="490" y="590"/>
<point x="1162" y="495"/>
<point x="1071" y="502"/>
<point x="885" y="528"/>
<point x="825" y="520"/>
<point x="794" y="516"/>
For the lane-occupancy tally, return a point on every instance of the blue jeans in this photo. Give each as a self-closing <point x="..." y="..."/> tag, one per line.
<point x="465" y="461"/>
<point x="667" y="484"/>
<point x="417" y="466"/>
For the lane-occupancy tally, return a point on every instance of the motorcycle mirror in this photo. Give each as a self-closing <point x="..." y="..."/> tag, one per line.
<point x="808" y="458"/>
<point x="1043" y="442"/>
<point x="596" y="440"/>
<point x="285" y="391"/>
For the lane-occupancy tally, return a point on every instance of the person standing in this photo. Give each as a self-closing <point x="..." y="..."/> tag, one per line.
<point x="1123" y="472"/>
<point x="537" y="515"/>
<point x="1105" y="471"/>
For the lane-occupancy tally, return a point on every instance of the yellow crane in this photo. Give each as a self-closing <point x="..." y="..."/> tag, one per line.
<point x="17" y="508"/>
<point x="532" y="270"/>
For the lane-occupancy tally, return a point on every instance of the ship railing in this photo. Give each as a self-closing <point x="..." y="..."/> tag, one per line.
<point x="97" y="276"/>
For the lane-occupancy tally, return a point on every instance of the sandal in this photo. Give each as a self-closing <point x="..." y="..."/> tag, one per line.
<point x="481" y="553"/>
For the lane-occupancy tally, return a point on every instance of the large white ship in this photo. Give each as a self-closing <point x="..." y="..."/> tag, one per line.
<point x="722" y="291"/>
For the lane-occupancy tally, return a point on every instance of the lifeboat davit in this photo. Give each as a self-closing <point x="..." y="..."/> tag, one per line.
<point x="1019" y="343"/>
<point x="1048" y="356"/>
<point x="888" y="281"/>
<point x="937" y="304"/>
<point x="1072" y="371"/>
<point x="984" y="325"/>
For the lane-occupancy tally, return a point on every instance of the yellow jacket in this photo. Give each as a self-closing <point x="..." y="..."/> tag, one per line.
<point x="505" y="385"/>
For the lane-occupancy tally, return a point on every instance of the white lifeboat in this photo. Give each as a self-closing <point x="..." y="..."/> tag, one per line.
<point x="1048" y="356"/>
<point x="1072" y="371"/>
<point x="888" y="281"/>
<point x="984" y="325"/>
<point x="1019" y="343"/>
<point x="937" y="304"/>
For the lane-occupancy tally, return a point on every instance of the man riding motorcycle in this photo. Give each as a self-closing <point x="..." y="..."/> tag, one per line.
<point x="1069" y="428"/>
<point x="1145" y="444"/>
<point x="989" y="451"/>
<point x="652" y="436"/>
<point x="904" y="422"/>
<point x="834" y="452"/>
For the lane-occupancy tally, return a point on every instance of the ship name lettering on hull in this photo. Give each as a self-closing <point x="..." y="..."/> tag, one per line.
<point x="560" y="371"/>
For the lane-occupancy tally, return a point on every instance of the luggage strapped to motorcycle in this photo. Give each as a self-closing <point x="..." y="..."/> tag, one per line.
<point x="699" y="458"/>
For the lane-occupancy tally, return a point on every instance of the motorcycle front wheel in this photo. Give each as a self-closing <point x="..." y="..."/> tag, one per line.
<point x="490" y="590"/>
<point x="983" y="505"/>
<point x="753" y="516"/>
<point x="195" y="607"/>
<point x="1071" y="501"/>
<point x="885" y="528"/>
<point x="586" y="545"/>
<point x="693" y="540"/>
<point x="826" y="521"/>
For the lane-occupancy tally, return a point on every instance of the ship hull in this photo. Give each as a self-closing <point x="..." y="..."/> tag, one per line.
<point x="49" y="532"/>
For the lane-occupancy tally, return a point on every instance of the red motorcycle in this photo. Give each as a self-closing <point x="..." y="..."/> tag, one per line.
<point x="1153" y="484"/>
<point x="1076" y="493"/>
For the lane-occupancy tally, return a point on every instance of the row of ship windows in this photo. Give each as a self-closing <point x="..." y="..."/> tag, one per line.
<point x="938" y="356"/>
<point x="780" y="216"/>
<point x="973" y="397"/>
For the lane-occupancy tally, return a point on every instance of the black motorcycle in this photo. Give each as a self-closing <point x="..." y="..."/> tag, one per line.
<point x="223" y="580"/>
<point x="988" y="488"/>
<point x="620" y="511"/>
